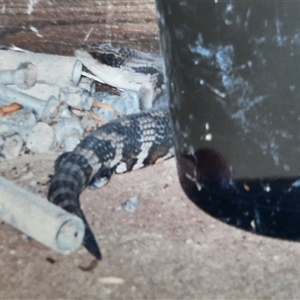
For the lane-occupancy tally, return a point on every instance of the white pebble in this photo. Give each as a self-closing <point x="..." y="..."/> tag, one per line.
<point x="20" y="121"/>
<point x="131" y="204"/>
<point x="40" y="138"/>
<point x="66" y="128"/>
<point x="189" y="241"/>
<point x="111" y="280"/>
<point x="70" y="143"/>
<point x="13" y="145"/>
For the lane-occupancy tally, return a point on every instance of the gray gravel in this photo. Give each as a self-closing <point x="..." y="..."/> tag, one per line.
<point x="56" y="114"/>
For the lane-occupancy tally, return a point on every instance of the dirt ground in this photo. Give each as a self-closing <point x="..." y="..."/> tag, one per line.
<point x="166" y="249"/>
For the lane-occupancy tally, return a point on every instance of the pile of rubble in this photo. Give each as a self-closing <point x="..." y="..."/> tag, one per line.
<point x="46" y="104"/>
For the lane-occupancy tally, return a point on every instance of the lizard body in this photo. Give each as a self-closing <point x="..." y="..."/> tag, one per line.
<point x="122" y="145"/>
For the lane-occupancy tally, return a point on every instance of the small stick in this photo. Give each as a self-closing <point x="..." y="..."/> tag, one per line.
<point x="40" y="219"/>
<point x="106" y="106"/>
<point x="9" y="109"/>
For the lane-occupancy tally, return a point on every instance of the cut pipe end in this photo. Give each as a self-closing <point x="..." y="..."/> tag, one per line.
<point x="26" y="75"/>
<point x="77" y="72"/>
<point x="70" y="235"/>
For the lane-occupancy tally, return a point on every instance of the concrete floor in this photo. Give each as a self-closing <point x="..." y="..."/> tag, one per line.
<point x="167" y="249"/>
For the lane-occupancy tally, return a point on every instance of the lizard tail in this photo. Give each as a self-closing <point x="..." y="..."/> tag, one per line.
<point x="71" y="176"/>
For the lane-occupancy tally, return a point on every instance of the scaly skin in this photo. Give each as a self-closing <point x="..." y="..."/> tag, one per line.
<point x="125" y="144"/>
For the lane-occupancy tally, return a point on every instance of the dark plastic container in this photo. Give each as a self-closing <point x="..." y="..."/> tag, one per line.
<point x="233" y="75"/>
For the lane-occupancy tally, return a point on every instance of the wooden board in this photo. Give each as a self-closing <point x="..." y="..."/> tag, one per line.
<point x="57" y="27"/>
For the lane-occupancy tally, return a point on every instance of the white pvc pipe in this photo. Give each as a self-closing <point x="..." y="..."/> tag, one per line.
<point x="40" y="219"/>
<point x="51" y="69"/>
<point x="11" y="95"/>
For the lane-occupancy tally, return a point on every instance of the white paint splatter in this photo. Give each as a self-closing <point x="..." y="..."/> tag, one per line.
<point x="30" y="6"/>
<point x="296" y="183"/>
<point x="88" y="35"/>
<point x="208" y="137"/>
<point x="35" y="30"/>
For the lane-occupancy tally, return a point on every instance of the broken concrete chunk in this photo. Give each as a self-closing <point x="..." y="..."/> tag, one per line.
<point x="21" y="121"/>
<point x="76" y="97"/>
<point x="12" y="144"/>
<point x="2" y="141"/>
<point x="51" y="110"/>
<point x="3" y="128"/>
<point x="88" y="103"/>
<point x="132" y="102"/>
<point x="70" y="143"/>
<point x="88" y="123"/>
<point x="64" y="112"/>
<point x="113" y="101"/>
<point x="87" y="84"/>
<point x="66" y="128"/>
<point x="125" y="104"/>
<point x="40" y="138"/>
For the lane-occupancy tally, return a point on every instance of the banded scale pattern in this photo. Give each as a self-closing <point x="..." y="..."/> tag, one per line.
<point x="126" y="68"/>
<point x="125" y="144"/>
